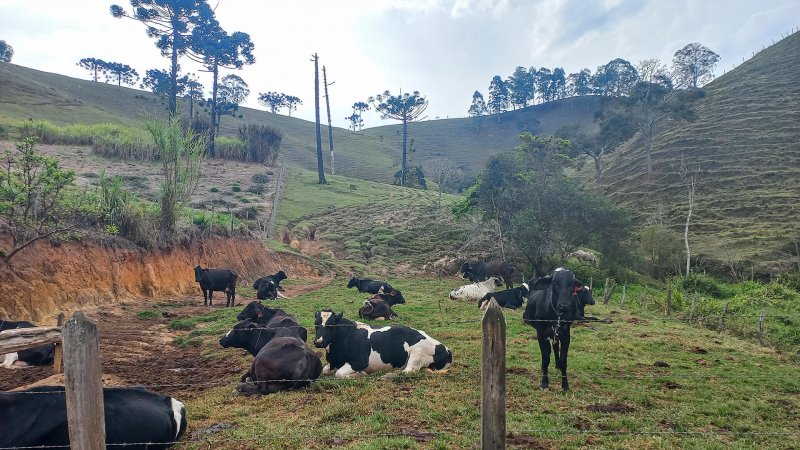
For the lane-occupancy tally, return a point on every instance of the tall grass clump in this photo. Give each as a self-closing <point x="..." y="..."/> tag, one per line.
<point x="106" y="139"/>
<point x="263" y="143"/>
<point x="230" y="148"/>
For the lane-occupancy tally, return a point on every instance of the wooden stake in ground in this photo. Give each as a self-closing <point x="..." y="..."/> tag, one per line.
<point x="669" y="301"/>
<point x="493" y="378"/>
<point x="761" y="326"/>
<point x="59" y="350"/>
<point x="328" y="106"/>
<point x="722" y="318"/>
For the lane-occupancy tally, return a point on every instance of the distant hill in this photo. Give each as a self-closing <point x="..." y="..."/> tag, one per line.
<point x="746" y="141"/>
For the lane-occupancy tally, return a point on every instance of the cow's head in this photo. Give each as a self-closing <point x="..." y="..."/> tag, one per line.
<point x="585" y="296"/>
<point x="324" y="324"/>
<point x="353" y="282"/>
<point x="280" y="276"/>
<point x="198" y="273"/>
<point x="565" y="288"/>
<point x="465" y="270"/>
<point x="245" y="332"/>
<point x="253" y="311"/>
<point x="393" y="297"/>
<point x="494" y="281"/>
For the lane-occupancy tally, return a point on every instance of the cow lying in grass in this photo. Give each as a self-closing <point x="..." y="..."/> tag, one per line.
<point x="375" y="287"/>
<point x="355" y="348"/>
<point x="476" y="291"/>
<point x="377" y="308"/>
<point x="510" y="298"/>
<point x="274" y="317"/>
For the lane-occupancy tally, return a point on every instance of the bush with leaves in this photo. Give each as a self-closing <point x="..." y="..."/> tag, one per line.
<point x="263" y="142"/>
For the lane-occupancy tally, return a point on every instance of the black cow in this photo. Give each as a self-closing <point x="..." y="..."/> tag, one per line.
<point x="510" y="298"/>
<point x="551" y="310"/>
<point x="284" y="363"/>
<point x="37" y="356"/>
<point x="374" y="287"/>
<point x="264" y="290"/>
<point x="355" y="348"/>
<point x="377" y="308"/>
<point x="252" y="336"/>
<point x="274" y="317"/>
<point x="134" y="417"/>
<point x="478" y="271"/>
<point x="585" y="298"/>
<point x="223" y="280"/>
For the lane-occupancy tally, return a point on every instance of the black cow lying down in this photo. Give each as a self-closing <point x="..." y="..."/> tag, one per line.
<point x="134" y="417"/>
<point x="282" y="361"/>
<point x="265" y="290"/>
<point x="510" y="298"/>
<point x="273" y="317"/>
<point x="37" y="356"/>
<point x="377" y="308"/>
<point x="375" y="287"/>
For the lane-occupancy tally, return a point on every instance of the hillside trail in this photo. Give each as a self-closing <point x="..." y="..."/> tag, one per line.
<point x="136" y="351"/>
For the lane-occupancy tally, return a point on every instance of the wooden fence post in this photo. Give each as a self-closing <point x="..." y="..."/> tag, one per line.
<point x="761" y="326"/>
<point x="83" y="384"/>
<point x="644" y="298"/>
<point x="59" y="351"/>
<point x="622" y="300"/>
<point x="493" y="379"/>
<point x="722" y="318"/>
<point x="669" y="301"/>
<point x="694" y="303"/>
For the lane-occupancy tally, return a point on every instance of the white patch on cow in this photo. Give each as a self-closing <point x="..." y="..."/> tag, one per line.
<point x="475" y="291"/>
<point x="228" y="334"/>
<point x="559" y="269"/>
<point x="325" y="316"/>
<point x="326" y="370"/>
<point x="525" y="285"/>
<point x="281" y="295"/>
<point x="177" y="407"/>
<point x="370" y="329"/>
<point x="9" y="359"/>
<point x="346" y="371"/>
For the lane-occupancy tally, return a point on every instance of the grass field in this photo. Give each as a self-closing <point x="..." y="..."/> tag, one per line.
<point x="639" y="382"/>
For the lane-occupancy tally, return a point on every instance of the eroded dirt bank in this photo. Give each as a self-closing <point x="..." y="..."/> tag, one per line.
<point x="51" y="277"/>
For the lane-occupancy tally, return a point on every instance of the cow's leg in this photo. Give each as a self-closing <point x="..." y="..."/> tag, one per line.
<point x="563" y="358"/>
<point x="233" y="297"/>
<point x="544" y="346"/>
<point x="327" y="370"/>
<point x="347" y="372"/>
<point x="205" y="297"/>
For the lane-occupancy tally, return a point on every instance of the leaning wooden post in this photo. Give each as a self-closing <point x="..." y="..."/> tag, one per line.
<point x="59" y="351"/>
<point x="493" y="379"/>
<point x="694" y="303"/>
<point x="761" y="326"/>
<point x="722" y="318"/>
<point x="83" y="384"/>
<point x="669" y="301"/>
<point x="622" y="300"/>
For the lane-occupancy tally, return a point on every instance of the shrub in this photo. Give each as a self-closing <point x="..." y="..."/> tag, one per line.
<point x="147" y="314"/>
<point x="706" y="285"/>
<point x="256" y="189"/>
<point x="214" y="189"/>
<point x="790" y="280"/>
<point x="259" y="178"/>
<point x="236" y="187"/>
<point x="263" y="142"/>
<point x="230" y="148"/>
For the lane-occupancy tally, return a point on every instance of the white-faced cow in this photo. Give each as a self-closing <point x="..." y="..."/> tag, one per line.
<point x="478" y="271"/>
<point x="476" y="291"/>
<point x="282" y="361"/>
<point x="221" y="280"/>
<point x="135" y="419"/>
<point x="355" y="348"/>
<point x="37" y="356"/>
<point x="551" y="310"/>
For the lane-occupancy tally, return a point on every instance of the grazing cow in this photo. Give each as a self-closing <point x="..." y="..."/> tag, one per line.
<point x="355" y="348"/>
<point x="376" y="287"/>
<point x="584" y="257"/>
<point x="478" y="271"/>
<point x="135" y="419"/>
<point x="264" y="290"/>
<point x="510" y="298"/>
<point x="476" y="291"/>
<point x="551" y="310"/>
<point x="37" y="356"/>
<point x="274" y="317"/>
<point x="377" y="308"/>
<point x="223" y="280"/>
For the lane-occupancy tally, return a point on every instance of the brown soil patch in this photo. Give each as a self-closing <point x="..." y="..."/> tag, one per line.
<point x="636" y="320"/>
<point x="672" y="385"/>
<point x="522" y="441"/>
<point x="660" y="364"/>
<point x="518" y="370"/>
<point x="611" y="408"/>
<point x="699" y="350"/>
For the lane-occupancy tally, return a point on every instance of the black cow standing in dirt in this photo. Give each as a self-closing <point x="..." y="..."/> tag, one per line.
<point x="282" y="361"/>
<point x="479" y="271"/>
<point x="551" y="310"/>
<point x="222" y="280"/>
<point x="265" y="290"/>
<point x="135" y="419"/>
<point x="274" y="317"/>
<point x="37" y="356"/>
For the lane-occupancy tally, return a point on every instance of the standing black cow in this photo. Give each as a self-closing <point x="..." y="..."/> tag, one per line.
<point x="479" y="271"/>
<point x="274" y="317"/>
<point x="135" y="419"/>
<point x="222" y="280"/>
<point x="37" y="356"/>
<point x="375" y="287"/>
<point x="551" y="310"/>
<point x="263" y="288"/>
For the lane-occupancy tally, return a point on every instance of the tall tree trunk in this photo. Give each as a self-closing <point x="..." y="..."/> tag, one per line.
<point x="690" y="188"/>
<point x="328" y="106"/>
<point x="648" y="150"/>
<point x="597" y="171"/>
<point x="191" y="109"/>
<point x="320" y="167"/>
<point x="405" y="138"/>
<point x="212" y="146"/>
<point x="173" y="79"/>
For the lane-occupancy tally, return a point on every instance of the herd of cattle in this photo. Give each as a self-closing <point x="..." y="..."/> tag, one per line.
<point x="283" y="361"/>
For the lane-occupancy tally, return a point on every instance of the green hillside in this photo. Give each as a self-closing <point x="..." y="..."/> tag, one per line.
<point x="746" y="141"/>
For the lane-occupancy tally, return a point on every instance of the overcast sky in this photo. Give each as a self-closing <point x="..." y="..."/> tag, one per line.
<point x="446" y="49"/>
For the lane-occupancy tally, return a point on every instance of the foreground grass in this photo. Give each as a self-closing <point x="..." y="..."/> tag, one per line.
<point x="717" y="391"/>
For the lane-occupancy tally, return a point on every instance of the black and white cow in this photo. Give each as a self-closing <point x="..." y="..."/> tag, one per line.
<point x="510" y="298"/>
<point x="263" y="288"/>
<point x="37" y="356"/>
<point x="355" y="348"/>
<point x="375" y="287"/>
<point x="274" y="317"/>
<point x="134" y="417"/>
<point x="221" y="280"/>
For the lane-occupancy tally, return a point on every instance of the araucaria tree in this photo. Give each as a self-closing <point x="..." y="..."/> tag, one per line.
<point x="32" y="187"/>
<point x="170" y="23"/>
<point x="357" y="118"/>
<point x="405" y="108"/>
<point x="6" y="52"/>
<point x="272" y="100"/>
<point x="477" y="109"/>
<point x="218" y="49"/>
<point x="292" y="103"/>
<point x="121" y="73"/>
<point x="693" y="66"/>
<point x="181" y="156"/>
<point x="95" y="66"/>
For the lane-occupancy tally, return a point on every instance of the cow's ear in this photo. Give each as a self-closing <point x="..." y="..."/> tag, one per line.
<point x="542" y="283"/>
